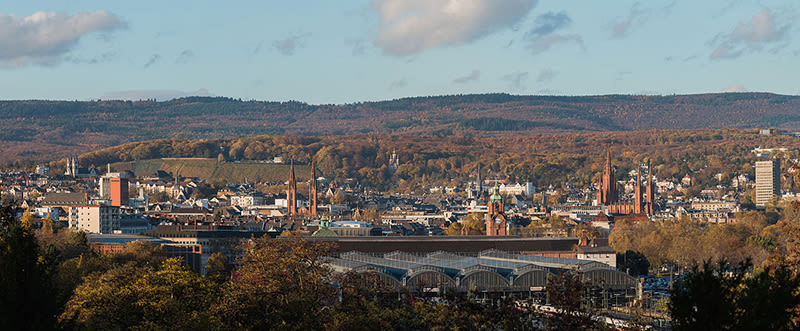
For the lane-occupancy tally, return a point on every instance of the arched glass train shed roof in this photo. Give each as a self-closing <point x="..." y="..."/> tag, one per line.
<point x="543" y="261"/>
<point x="491" y="271"/>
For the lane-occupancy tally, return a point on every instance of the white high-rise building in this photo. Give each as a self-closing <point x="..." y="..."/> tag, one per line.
<point x="768" y="181"/>
<point x="96" y="219"/>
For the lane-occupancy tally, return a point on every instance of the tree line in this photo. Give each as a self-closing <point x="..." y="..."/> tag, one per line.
<point x="711" y="157"/>
<point x="40" y="128"/>
<point x="50" y="279"/>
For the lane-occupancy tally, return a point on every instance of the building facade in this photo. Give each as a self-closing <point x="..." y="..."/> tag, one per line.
<point x="608" y="195"/>
<point x="119" y="191"/>
<point x="496" y="224"/>
<point x="97" y="219"/>
<point x="768" y="181"/>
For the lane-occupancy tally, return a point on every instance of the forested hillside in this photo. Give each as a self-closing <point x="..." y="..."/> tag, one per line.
<point x="41" y="130"/>
<point x="557" y="159"/>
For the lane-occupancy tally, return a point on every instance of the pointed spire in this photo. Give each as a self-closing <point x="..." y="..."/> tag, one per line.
<point x="637" y="191"/>
<point x="291" y="194"/>
<point x="607" y="194"/>
<point x="312" y="190"/>
<point x="480" y="182"/>
<point x="650" y="203"/>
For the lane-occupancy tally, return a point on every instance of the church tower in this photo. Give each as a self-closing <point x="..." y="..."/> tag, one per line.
<point x="496" y="217"/>
<point x="72" y="166"/>
<point x="394" y="161"/>
<point x="291" y="192"/>
<point x="637" y="191"/>
<point x="651" y="208"/>
<point x="608" y="183"/>
<point x="480" y="183"/>
<point x="312" y="191"/>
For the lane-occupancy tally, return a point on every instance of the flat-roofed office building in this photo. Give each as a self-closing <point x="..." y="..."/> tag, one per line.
<point x="768" y="181"/>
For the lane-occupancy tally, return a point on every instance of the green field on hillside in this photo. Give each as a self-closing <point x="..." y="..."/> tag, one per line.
<point x="202" y="168"/>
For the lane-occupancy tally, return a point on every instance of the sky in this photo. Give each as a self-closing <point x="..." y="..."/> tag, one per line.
<point x="333" y="52"/>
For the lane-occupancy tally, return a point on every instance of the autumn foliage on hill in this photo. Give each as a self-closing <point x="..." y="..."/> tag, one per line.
<point x="32" y="129"/>
<point x="560" y="159"/>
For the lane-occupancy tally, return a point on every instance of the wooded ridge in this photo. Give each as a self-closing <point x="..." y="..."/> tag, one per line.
<point x="36" y="130"/>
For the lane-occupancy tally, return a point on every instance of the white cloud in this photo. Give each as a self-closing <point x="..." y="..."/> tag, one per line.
<point x="734" y="89"/>
<point x="159" y="95"/>
<point x="412" y="26"/>
<point x="42" y="38"/>
<point x="761" y="30"/>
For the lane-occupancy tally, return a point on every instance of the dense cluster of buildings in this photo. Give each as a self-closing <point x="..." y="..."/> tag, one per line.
<point x="119" y="207"/>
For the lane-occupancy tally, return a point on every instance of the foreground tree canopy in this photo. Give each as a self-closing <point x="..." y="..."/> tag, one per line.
<point x="51" y="280"/>
<point x="728" y="297"/>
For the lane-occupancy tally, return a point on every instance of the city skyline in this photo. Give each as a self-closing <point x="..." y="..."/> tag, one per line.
<point x="375" y="50"/>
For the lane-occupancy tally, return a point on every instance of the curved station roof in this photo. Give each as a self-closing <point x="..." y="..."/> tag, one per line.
<point x="490" y="271"/>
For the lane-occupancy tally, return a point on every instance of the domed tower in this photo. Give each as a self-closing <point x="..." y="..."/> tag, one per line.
<point x="495" y="217"/>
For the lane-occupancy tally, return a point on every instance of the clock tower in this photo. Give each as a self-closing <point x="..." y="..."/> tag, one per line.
<point x="495" y="217"/>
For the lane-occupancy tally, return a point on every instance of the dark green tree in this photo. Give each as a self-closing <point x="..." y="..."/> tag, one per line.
<point x="728" y="297"/>
<point x="769" y="300"/>
<point x="218" y="269"/>
<point x="27" y="298"/>
<point x="633" y="262"/>
<point x="706" y="297"/>
<point x="143" y="297"/>
<point x="281" y="284"/>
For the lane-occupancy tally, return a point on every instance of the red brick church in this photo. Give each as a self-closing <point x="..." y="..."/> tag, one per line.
<point x="495" y="217"/>
<point x="607" y="195"/>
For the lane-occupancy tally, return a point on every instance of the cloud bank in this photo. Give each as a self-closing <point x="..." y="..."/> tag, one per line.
<point x="42" y="38"/>
<point x="411" y="26"/>
<point x="754" y="35"/>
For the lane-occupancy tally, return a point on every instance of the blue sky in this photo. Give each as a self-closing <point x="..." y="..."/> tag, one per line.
<point x="349" y="51"/>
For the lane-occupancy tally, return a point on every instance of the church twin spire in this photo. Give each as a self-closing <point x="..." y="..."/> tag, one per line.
<point x="607" y="194"/>
<point x="291" y="192"/>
